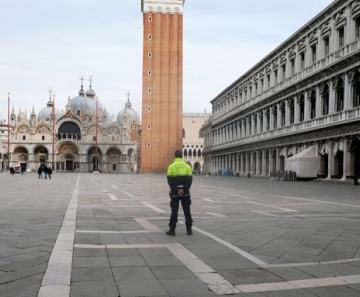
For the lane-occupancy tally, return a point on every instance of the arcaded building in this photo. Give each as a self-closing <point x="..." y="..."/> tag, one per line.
<point x="162" y="83"/>
<point x="304" y="95"/>
<point x="81" y="138"/>
<point x="193" y="140"/>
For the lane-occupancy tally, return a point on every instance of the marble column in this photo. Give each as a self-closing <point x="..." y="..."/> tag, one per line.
<point x="347" y="92"/>
<point x="346" y="159"/>
<point x="331" y="98"/>
<point x="264" y="173"/>
<point x="306" y="107"/>
<point x="330" y="159"/>
<point x="271" y="163"/>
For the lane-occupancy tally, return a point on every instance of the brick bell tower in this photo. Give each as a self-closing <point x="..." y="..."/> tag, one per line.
<point x="162" y="84"/>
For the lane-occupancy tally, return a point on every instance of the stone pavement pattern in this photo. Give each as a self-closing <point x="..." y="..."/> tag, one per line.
<point x="104" y="235"/>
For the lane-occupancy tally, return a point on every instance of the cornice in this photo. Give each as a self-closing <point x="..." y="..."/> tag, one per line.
<point x="162" y="6"/>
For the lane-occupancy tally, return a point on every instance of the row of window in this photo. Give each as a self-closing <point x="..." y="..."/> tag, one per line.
<point x="279" y="112"/>
<point x="296" y="64"/>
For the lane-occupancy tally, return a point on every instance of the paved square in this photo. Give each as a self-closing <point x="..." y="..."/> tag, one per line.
<point x="82" y="234"/>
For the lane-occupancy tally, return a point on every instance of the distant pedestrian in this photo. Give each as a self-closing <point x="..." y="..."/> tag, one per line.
<point x="22" y="169"/>
<point x="46" y="171"/>
<point x="12" y="170"/>
<point x="179" y="178"/>
<point x="40" y="170"/>
<point x="49" y="172"/>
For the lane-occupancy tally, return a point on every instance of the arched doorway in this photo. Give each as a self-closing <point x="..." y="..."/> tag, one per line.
<point x="41" y="156"/>
<point x="94" y="159"/>
<point x="113" y="159"/>
<point x="131" y="168"/>
<point x="197" y="168"/>
<point x="21" y="156"/>
<point x="68" y="155"/>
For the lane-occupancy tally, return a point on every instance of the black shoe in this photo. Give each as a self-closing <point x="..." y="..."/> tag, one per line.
<point x="189" y="232"/>
<point x="170" y="232"/>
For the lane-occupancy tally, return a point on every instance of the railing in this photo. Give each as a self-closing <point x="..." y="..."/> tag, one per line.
<point x="344" y="115"/>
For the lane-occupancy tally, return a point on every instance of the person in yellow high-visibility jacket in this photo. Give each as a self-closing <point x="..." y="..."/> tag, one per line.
<point x="179" y="178"/>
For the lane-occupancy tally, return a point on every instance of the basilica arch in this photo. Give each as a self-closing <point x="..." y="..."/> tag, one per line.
<point x="21" y="156"/>
<point x="94" y="159"/>
<point x="67" y="157"/>
<point x="113" y="160"/>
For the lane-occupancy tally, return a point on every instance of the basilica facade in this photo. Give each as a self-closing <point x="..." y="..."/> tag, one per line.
<point x="303" y="96"/>
<point x="82" y="138"/>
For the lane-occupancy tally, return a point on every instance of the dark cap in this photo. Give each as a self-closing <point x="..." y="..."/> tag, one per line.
<point x="178" y="154"/>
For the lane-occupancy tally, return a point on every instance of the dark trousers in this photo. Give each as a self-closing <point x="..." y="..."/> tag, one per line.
<point x="174" y="204"/>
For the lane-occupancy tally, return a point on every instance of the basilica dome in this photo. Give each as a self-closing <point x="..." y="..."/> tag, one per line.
<point x="46" y="112"/>
<point x="85" y="105"/>
<point x="131" y="115"/>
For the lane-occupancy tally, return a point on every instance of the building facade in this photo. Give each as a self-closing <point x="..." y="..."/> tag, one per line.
<point x="193" y="140"/>
<point x="162" y="79"/>
<point x="81" y="138"/>
<point x="303" y="95"/>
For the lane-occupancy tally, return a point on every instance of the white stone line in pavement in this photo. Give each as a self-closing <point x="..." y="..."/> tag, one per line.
<point x="147" y="225"/>
<point x="114" y="206"/>
<point x="217" y="214"/>
<point x="131" y="196"/>
<point x="207" y="199"/>
<point x="319" y="201"/>
<point x="300" y="284"/>
<point x="104" y="190"/>
<point x="205" y="273"/>
<point x="111" y="232"/>
<point x="232" y="247"/>
<point x="312" y="263"/>
<point x="118" y="246"/>
<point x="265" y="213"/>
<point x="56" y="281"/>
<point x="153" y="207"/>
<point x="270" y="206"/>
<point x="112" y="197"/>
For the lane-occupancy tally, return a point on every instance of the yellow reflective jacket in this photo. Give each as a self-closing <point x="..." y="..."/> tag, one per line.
<point x="179" y="176"/>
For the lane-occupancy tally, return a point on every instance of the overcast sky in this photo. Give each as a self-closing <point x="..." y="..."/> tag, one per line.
<point x="47" y="43"/>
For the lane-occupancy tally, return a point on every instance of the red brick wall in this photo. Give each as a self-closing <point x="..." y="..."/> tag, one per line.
<point x="165" y="82"/>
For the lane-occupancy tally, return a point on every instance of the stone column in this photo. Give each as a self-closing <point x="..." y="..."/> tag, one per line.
<point x="347" y="92"/>
<point x="346" y="159"/>
<point x="238" y="129"/>
<point x="296" y="110"/>
<point x="278" y="115"/>
<point x="277" y="159"/>
<point x="241" y="164"/>
<point x="247" y="163"/>
<point x="258" y="173"/>
<point x="272" y="110"/>
<point x="264" y="173"/>
<point x="331" y="98"/>
<point x="271" y="163"/>
<point x="306" y="107"/>
<point x="264" y="120"/>
<point x="243" y="130"/>
<point x="318" y="103"/>
<point x="330" y="159"/>
<point x="287" y="112"/>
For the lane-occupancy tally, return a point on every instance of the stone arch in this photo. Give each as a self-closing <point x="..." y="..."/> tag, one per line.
<point x="197" y="167"/>
<point x="131" y="155"/>
<point x="21" y="155"/>
<point x="23" y="129"/>
<point x="113" y="159"/>
<point x="69" y="130"/>
<point x="354" y="147"/>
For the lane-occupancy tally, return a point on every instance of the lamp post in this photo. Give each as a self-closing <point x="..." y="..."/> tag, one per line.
<point x="8" y="142"/>
<point x="96" y="136"/>
<point x="53" y="133"/>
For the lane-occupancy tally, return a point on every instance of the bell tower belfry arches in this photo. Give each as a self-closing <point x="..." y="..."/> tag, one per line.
<point x="162" y="83"/>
